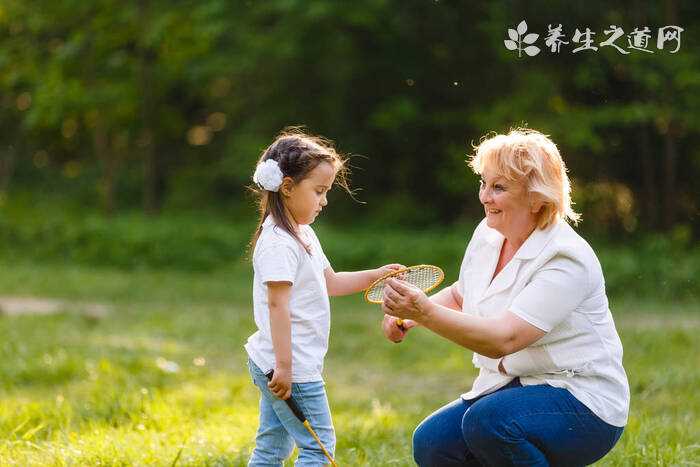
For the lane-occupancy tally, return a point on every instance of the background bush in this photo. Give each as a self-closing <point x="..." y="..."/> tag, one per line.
<point x="656" y="265"/>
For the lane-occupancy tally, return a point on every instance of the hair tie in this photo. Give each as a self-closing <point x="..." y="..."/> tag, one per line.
<point x="268" y="175"/>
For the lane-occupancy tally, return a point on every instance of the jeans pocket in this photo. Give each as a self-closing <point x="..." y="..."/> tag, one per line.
<point x="256" y="374"/>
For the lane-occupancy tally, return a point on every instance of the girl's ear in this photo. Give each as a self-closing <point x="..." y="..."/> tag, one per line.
<point x="287" y="186"/>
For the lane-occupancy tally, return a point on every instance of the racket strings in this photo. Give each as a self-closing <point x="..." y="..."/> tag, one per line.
<point x="422" y="277"/>
<point x="425" y="277"/>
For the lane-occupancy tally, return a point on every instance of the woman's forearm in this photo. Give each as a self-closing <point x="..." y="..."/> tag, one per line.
<point x="486" y="336"/>
<point x="448" y="297"/>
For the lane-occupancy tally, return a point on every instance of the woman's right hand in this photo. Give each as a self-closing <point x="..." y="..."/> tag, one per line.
<point x="281" y="383"/>
<point x="395" y="332"/>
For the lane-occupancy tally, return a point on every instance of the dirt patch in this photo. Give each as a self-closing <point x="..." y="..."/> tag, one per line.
<point x="16" y="306"/>
<point x="657" y="320"/>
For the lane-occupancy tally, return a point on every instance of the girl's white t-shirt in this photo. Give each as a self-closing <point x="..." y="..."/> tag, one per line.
<point x="279" y="257"/>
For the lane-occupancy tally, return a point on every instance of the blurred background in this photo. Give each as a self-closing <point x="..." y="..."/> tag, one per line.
<point x="129" y="132"/>
<point x="120" y="119"/>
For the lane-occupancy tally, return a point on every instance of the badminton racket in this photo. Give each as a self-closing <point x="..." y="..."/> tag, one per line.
<point x="294" y="407"/>
<point x="424" y="276"/>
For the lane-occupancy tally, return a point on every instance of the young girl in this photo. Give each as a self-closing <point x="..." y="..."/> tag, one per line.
<point x="291" y="285"/>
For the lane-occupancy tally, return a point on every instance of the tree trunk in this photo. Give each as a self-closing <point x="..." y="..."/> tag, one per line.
<point x="651" y="206"/>
<point x="670" y="139"/>
<point x="155" y="182"/>
<point x="670" y="193"/>
<point x="7" y="168"/>
<point x="110" y="162"/>
<point x="154" y="168"/>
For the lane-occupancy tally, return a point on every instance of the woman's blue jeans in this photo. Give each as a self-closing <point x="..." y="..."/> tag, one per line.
<point x="280" y="430"/>
<point x="516" y="425"/>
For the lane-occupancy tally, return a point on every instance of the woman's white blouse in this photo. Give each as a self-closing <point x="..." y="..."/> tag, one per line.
<point x="555" y="283"/>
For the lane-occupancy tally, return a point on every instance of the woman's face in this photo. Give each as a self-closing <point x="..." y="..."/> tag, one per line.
<point x="506" y="205"/>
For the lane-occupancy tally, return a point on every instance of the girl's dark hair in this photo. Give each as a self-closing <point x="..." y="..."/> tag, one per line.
<point x="297" y="154"/>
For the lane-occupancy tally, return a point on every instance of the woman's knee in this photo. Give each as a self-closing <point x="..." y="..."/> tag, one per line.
<point x="434" y="444"/>
<point x="437" y="440"/>
<point x="423" y="442"/>
<point x="483" y="424"/>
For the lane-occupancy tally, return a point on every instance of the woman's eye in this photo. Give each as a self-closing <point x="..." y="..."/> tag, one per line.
<point x="498" y="187"/>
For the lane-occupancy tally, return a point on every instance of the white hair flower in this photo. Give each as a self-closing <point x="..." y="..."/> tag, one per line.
<point x="268" y="175"/>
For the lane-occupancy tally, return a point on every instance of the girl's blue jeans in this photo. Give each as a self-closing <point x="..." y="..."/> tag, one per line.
<point x="280" y="430"/>
<point x="516" y="425"/>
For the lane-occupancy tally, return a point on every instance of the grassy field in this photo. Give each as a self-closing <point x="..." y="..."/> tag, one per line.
<point x="161" y="379"/>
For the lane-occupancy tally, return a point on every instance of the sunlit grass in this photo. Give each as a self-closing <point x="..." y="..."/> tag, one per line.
<point x="161" y="379"/>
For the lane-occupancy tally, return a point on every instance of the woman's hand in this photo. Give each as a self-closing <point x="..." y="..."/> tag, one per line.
<point x="281" y="383"/>
<point x="405" y="301"/>
<point x="395" y="332"/>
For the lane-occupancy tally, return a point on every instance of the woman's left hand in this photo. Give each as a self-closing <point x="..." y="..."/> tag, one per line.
<point x="404" y="300"/>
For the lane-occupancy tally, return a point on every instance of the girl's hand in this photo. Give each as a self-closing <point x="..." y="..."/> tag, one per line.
<point x="387" y="269"/>
<point x="404" y="300"/>
<point x="393" y="331"/>
<point x="281" y="383"/>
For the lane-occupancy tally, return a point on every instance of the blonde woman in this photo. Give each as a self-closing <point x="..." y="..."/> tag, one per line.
<point x="530" y="302"/>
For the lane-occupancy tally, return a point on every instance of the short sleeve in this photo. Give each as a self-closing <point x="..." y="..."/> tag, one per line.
<point x="462" y="273"/>
<point x="554" y="292"/>
<point x="316" y="247"/>
<point x="467" y="258"/>
<point x="277" y="263"/>
<point x="326" y="263"/>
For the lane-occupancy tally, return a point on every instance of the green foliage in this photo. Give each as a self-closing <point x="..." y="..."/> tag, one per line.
<point x="658" y="266"/>
<point x="185" y="242"/>
<point x="662" y="266"/>
<point x="159" y="104"/>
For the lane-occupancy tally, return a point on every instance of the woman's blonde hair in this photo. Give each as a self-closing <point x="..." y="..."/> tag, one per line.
<point x="528" y="156"/>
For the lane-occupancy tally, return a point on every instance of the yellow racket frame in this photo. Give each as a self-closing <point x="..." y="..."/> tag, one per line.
<point x="441" y="277"/>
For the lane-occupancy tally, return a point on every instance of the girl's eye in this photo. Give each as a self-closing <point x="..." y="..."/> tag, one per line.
<point x="498" y="187"/>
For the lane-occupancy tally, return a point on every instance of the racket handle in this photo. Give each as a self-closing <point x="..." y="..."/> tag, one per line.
<point x="399" y="323"/>
<point x="291" y="403"/>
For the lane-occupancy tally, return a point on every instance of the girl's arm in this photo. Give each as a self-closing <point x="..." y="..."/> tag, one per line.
<point x="346" y="283"/>
<point x="278" y="294"/>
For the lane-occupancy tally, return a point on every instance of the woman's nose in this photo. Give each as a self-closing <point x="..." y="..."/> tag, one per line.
<point x="484" y="196"/>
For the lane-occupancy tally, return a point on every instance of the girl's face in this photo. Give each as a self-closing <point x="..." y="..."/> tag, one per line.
<point x="506" y="204"/>
<point x="306" y="199"/>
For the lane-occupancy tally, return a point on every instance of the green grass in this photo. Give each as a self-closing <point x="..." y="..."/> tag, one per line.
<point x="81" y="390"/>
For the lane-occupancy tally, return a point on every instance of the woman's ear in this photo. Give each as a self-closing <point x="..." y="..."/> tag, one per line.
<point x="536" y="203"/>
<point x="287" y="187"/>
